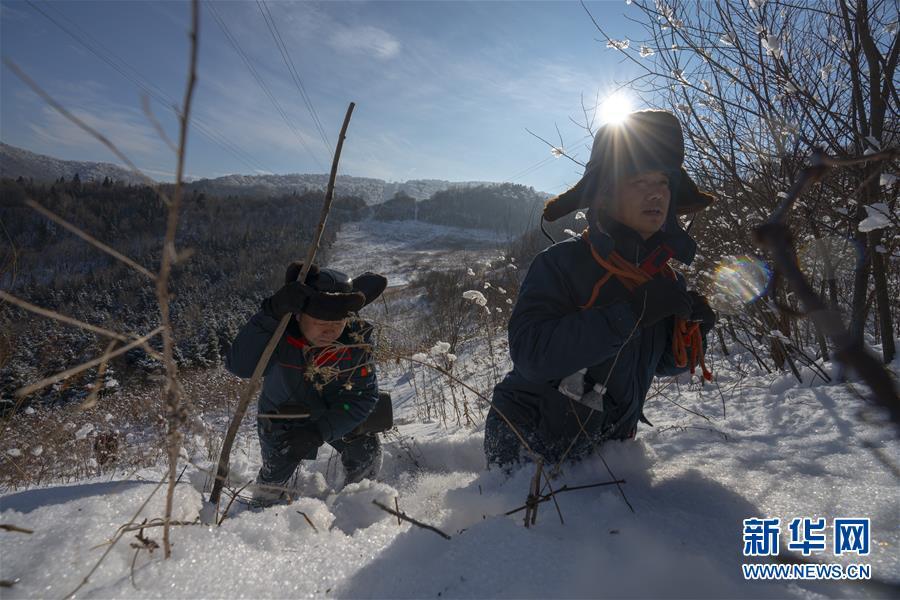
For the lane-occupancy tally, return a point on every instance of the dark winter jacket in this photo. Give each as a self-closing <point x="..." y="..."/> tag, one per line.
<point x="337" y="386"/>
<point x="552" y="337"/>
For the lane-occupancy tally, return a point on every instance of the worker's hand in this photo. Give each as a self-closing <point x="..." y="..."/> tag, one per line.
<point x="702" y="312"/>
<point x="659" y="298"/>
<point x="303" y="442"/>
<point x="291" y="298"/>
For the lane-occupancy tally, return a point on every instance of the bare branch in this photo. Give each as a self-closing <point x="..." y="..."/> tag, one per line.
<point x="175" y="415"/>
<point x="148" y="111"/>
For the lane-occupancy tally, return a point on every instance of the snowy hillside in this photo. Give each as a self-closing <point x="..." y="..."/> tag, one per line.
<point x="373" y="191"/>
<point x="17" y="162"/>
<point x="779" y="450"/>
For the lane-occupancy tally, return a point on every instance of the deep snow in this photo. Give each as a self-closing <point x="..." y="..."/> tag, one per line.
<point x="784" y="450"/>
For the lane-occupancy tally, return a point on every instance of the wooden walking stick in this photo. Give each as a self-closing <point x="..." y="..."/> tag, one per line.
<point x="250" y="389"/>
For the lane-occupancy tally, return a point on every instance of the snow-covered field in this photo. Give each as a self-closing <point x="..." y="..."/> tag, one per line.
<point x="400" y="249"/>
<point x="754" y="446"/>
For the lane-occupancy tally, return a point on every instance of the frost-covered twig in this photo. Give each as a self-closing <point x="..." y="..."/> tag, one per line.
<point x="487" y="400"/>
<point x="405" y="517"/>
<point x="557" y="151"/>
<point x="15" y="528"/>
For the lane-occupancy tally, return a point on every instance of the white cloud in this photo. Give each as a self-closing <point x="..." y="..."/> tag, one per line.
<point x="123" y="128"/>
<point x="365" y="39"/>
<point x="237" y="109"/>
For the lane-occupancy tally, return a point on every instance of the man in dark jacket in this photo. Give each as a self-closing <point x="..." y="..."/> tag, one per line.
<point x="320" y="384"/>
<point x="598" y="316"/>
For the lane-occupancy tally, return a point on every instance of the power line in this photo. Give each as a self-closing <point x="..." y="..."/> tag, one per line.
<point x="289" y="63"/>
<point x="123" y="68"/>
<point x="259" y="80"/>
<point x="528" y="170"/>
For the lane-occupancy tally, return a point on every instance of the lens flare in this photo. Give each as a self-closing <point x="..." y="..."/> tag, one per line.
<point x="738" y="281"/>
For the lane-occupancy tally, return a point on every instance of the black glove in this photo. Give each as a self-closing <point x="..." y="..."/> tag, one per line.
<point x="701" y="312"/>
<point x="658" y="299"/>
<point x="292" y="273"/>
<point x="303" y="442"/>
<point x="291" y="298"/>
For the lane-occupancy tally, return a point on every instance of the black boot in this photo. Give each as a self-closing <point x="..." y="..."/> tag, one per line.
<point x="361" y="457"/>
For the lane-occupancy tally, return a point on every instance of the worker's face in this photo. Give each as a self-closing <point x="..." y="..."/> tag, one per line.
<point x="319" y="332"/>
<point x="642" y="202"/>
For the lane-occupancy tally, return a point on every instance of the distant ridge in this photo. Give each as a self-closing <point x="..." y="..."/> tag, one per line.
<point x="372" y="191"/>
<point x="18" y="162"/>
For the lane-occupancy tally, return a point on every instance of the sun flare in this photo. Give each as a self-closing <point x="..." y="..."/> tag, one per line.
<point x="615" y="108"/>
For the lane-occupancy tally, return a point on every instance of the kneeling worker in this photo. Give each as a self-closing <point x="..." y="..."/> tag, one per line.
<point x="320" y="383"/>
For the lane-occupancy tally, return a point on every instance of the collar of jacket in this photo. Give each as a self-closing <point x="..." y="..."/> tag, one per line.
<point x="606" y="235"/>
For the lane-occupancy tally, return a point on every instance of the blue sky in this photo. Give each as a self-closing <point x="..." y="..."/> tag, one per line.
<point x="443" y="90"/>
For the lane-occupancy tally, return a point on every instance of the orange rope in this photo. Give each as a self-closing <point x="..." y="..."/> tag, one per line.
<point x="686" y="336"/>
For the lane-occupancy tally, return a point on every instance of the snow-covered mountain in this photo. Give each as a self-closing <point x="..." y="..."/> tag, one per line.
<point x="373" y="191"/>
<point x="16" y="162"/>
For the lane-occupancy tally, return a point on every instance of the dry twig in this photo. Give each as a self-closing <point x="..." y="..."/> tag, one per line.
<point x="405" y="517"/>
<point x="565" y="488"/>
<point x="175" y="414"/>
<point x="115" y="540"/>
<point x="230" y="502"/>
<point x="309" y="521"/>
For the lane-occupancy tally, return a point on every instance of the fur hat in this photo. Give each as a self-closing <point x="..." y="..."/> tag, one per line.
<point x="336" y="294"/>
<point x="648" y="140"/>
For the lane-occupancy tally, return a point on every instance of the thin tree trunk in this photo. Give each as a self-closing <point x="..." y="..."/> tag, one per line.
<point x="858" y="309"/>
<point x="820" y="336"/>
<point x="883" y="300"/>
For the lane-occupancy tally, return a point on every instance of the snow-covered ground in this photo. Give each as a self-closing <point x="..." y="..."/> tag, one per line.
<point x="781" y="450"/>
<point x="753" y="446"/>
